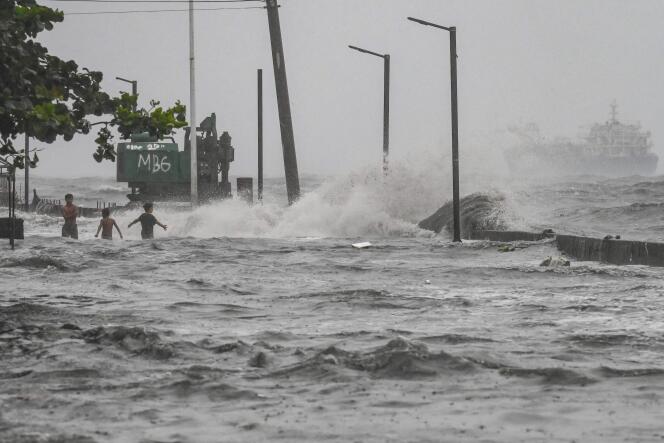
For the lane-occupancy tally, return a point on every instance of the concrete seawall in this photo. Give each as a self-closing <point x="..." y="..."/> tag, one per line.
<point x="508" y="236"/>
<point x="617" y="252"/>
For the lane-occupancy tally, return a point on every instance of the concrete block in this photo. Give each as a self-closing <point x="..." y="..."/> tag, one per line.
<point x="617" y="252"/>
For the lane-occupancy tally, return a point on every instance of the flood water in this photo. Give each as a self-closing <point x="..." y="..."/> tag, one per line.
<point x="262" y="323"/>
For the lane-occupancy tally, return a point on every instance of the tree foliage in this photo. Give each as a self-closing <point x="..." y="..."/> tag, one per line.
<point x="48" y="97"/>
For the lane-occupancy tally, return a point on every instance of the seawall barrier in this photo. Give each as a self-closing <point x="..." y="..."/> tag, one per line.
<point x="617" y="252"/>
<point x="509" y="236"/>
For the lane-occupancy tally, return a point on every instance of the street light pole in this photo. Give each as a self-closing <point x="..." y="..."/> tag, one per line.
<point x="386" y="102"/>
<point x="27" y="172"/>
<point x="193" y="134"/>
<point x="455" y="123"/>
<point x="134" y="87"/>
<point x="260" y="135"/>
<point x="455" y="135"/>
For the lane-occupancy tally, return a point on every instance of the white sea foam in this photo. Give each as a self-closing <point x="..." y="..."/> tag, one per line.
<point x="357" y="205"/>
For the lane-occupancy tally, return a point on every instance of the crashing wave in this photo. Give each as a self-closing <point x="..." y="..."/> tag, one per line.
<point x="477" y="212"/>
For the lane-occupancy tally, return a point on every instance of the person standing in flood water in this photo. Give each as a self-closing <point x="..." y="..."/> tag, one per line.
<point x="147" y="221"/>
<point x="70" y="212"/>
<point x="106" y="225"/>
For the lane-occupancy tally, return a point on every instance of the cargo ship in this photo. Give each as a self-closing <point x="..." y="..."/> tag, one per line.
<point x="612" y="149"/>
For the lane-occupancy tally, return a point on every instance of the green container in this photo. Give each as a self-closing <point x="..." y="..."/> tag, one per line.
<point x="152" y="162"/>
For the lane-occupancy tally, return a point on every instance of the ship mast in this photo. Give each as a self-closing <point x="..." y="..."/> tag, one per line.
<point x="614" y="112"/>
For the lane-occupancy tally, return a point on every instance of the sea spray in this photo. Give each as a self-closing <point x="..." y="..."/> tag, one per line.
<point x="360" y="204"/>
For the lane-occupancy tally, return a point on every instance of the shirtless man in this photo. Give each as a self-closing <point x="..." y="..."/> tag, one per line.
<point x="70" y="212"/>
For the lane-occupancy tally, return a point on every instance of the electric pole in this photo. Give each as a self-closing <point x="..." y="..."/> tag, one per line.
<point x="283" y="102"/>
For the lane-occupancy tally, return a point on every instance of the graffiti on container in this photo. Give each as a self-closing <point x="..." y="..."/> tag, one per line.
<point x="144" y="146"/>
<point x="154" y="162"/>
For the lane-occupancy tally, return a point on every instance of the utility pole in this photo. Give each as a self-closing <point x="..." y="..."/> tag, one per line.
<point x="455" y="123"/>
<point x="283" y="102"/>
<point x="260" y="135"/>
<point x="386" y="102"/>
<point x="27" y="172"/>
<point x="193" y="134"/>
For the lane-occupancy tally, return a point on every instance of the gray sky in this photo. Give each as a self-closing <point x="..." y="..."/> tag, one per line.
<point x="557" y="63"/>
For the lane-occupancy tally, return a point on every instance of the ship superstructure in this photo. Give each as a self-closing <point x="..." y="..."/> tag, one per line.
<point x="612" y="148"/>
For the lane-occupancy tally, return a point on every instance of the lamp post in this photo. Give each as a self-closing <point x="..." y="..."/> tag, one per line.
<point x="386" y="102"/>
<point x="260" y="135"/>
<point x="134" y="86"/>
<point x="27" y="172"/>
<point x="193" y="135"/>
<point x="455" y="121"/>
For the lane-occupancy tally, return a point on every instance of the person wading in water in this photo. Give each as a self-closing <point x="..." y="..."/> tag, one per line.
<point x="106" y="225"/>
<point x="147" y="221"/>
<point x="70" y="212"/>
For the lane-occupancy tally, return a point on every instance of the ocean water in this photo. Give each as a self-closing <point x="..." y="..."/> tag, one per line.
<point x="262" y="323"/>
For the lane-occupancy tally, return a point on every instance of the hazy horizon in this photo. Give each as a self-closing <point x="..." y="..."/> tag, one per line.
<point x="559" y="64"/>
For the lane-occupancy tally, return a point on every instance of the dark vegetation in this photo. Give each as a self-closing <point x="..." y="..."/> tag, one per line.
<point x="48" y="97"/>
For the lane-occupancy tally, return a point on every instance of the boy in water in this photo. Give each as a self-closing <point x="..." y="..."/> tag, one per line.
<point x="70" y="212"/>
<point x="106" y="225"/>
<point x="147" y="222"/>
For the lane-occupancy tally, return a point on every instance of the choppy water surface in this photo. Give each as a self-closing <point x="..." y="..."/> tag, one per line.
<point x="284" y="332"/>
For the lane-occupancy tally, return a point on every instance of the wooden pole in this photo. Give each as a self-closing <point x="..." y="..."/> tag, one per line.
<point x="283" y="102"/>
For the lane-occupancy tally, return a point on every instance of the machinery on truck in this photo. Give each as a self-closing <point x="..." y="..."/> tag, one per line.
<point x="159" y="170"/>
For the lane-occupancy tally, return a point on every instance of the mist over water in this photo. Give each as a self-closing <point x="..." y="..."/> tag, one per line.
<point x="366" y="203"/>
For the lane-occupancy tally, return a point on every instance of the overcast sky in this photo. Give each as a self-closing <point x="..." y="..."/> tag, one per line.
<point x="558" y="63"/>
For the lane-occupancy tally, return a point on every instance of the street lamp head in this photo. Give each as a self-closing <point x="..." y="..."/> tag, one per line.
<point x="426" y="23"/>
<point x="366" y="51"/>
